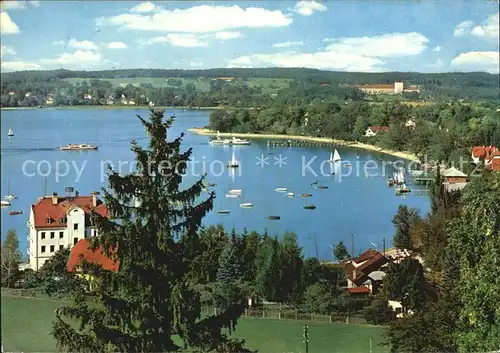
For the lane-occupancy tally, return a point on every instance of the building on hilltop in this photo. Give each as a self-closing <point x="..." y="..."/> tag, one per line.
<point x="395" y="88"/>
<point x="57" y="222"/>
<point x="489" y="155"/>
<point x="373" y="130"/>
<point x="454" y="179"/>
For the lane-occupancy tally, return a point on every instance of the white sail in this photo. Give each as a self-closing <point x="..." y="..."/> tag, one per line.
<point x="218" y="135"/>
<point x="11" y="133"/>
<point x="336" y="156"/>
<point x="331" y="156"/>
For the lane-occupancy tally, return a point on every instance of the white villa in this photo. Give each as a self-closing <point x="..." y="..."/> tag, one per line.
<point x="60" y="222"/>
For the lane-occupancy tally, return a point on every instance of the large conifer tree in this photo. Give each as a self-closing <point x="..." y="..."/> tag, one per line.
<point x="150" y="298"/>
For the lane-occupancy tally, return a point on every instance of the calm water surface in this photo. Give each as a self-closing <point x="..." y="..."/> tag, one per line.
<point x="361" y="205"/>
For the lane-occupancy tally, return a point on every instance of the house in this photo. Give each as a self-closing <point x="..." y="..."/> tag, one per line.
<point x="373" y="130"/>
<point x="365" y="271"/>
<point x="110" y="100"/>
<point x="395" y="88"/>
<point x="410" y="123"/>
<point x="454" y="179"/>
<point x="123" y="99"/>
<point x="49" y="99"/>
<point x="493" y="161"/>
<point x="57" y="222"/>
<point x="398" y="309"/>
<point x="87" y="96"/>
<point x="481" y="153"/>
<point x="81" y="253"/>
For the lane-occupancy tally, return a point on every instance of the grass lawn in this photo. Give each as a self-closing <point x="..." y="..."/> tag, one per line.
<point x="27" y="322"/>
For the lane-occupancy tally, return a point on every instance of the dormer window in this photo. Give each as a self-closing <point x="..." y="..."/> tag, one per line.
<point x="63" y="220"/>
<point x="48" y="220"/>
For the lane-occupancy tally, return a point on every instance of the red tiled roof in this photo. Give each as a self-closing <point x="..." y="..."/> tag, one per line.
<point x="365" y="256"/>
<point x="358" y="290"/>
<point x="44" y="209"/>
<point x="81" y="252"/>
<point x="494" y="163"/>
<point x="373" y="261"/>
<point x="483" y="151"/>
<point x="378" y="128"/>
<point x="377" y="86"/>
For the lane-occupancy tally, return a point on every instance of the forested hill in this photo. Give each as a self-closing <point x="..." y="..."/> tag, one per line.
<point x="450" y="79"/>
<point x="439" y="86"/>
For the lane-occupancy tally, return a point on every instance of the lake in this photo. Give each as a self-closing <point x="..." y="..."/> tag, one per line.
<point x="361" y="203"/>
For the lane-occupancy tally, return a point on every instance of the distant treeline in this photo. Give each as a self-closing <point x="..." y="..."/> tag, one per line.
<point x="439" y="86"/>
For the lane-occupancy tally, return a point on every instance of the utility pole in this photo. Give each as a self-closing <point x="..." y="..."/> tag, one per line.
<point x="306" y="338"/>
<point x="384" y="245"/>
<point x="316" y="245"/>
<point x="352" y="245"/>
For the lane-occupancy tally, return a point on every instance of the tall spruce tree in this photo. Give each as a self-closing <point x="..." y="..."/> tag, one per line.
<point x="150" y="298"/>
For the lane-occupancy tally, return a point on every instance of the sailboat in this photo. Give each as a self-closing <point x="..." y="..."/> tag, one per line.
<point x="10" y="133"/>
<point x="9" y="195"/>
<point x="246" y="205"/>
<point x="218" y="141"/>
<point x="234" y="162"/>
<point x="308" y="207"/>
<point x="335" y="157"/>
<point x="5" y="203"/>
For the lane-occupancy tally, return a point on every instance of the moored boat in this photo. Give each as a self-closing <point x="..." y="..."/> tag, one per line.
<point x="5" y="203"/>
<point x="11" y="132"/>
<point x="237" y="141"/>
<point x="234" y="162"/>
<point x="14" y="213"/>
<point x="310" y="207"/>
<point x="280" y="189"/>
<point x="223" y="211"/>
<point x="273" y="218"/>
<point x="290" y="194"/>
<point x="78" y="147"/>
<point x="232" y="196"/>
<point x="246" y="205"/>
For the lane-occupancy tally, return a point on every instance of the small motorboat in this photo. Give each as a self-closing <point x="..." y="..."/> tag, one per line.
<point x="5" y="203"/>
<point x="322" y="187"/>
<point x="273" y="218"/>
<point x="211" y="185"/>
<point x="232" y="196"/>
<point x="78" y="147"/>
<point x="290" y="194"/>
<point x="14" y="213"/>
<point x="237" y="141"/>
<point x="223" y="211"/>
<point x="280" y="189"/>
<point x="246" y="205"/>
<point x="310" y="207"/>
<point x="306" y="195"/>
<point x="235" y="191"/>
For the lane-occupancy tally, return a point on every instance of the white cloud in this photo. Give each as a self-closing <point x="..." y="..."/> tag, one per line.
<point x="437" y="48"/>
<point x="319" y="60"/>
<point x="385" y="45"/>
<point x="7" y="26"/>
<point x="307" y="7"/>
<point x="463" y="28"/>
<point x="153" y="40"/>
<point x="144" y="7"/>
<point x="200" y="19"/>
<point x="115" y="45"/>
<point x="488" y="61"/>
<point x="82" y="44"/>
<point x="78" y="56"/>
<point x="488" y="29"/>
<point x="59" y="42"/>
<point x="195" y="63"/>
<point x="228" y="35"/>
<point x="18" y="66"/>
<point x="287" y="44"/>
<point x="185" y="40"/>
<point x="4" y="51"/>
<point x="17" y="5"/>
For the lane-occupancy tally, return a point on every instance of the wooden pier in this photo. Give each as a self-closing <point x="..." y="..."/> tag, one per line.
<point x="298" y="143"/>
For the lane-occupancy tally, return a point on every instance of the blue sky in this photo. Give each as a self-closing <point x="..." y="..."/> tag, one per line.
<point x="370" y="36"/>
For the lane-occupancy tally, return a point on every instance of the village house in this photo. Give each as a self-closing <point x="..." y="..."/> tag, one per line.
<point x="454" y="179"/>
<point x="87" y="96"/>
<point x="110" y="100"/>
<point x="81" y="253"/>
<point x="49" y="99"/>
<point x="365" y="272"/>
<point x="489" y="155"/>
<point x="373" y="130"/>
<point x="410" y="123"/>
<point x="123" y="100"/>
<point x="57" y="222"/>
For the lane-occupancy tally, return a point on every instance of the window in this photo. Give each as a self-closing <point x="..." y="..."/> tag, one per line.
<point x="42" y="235"/>
<point x="75" y="240"/>
<point x="61" y="247"/>
<point x="63" y="220"/>
<point x="52" y="235"/>
<point x="61" y="235"/>
<point x="52" y="248"/>
<point x="86" y="234"/>
<point x="43" y="249"/>
<point x="75" y="226"/>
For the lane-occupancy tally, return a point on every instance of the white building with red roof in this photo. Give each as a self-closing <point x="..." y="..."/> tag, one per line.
<point x="57" y="222"/>
<point x="373" y="130"/>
